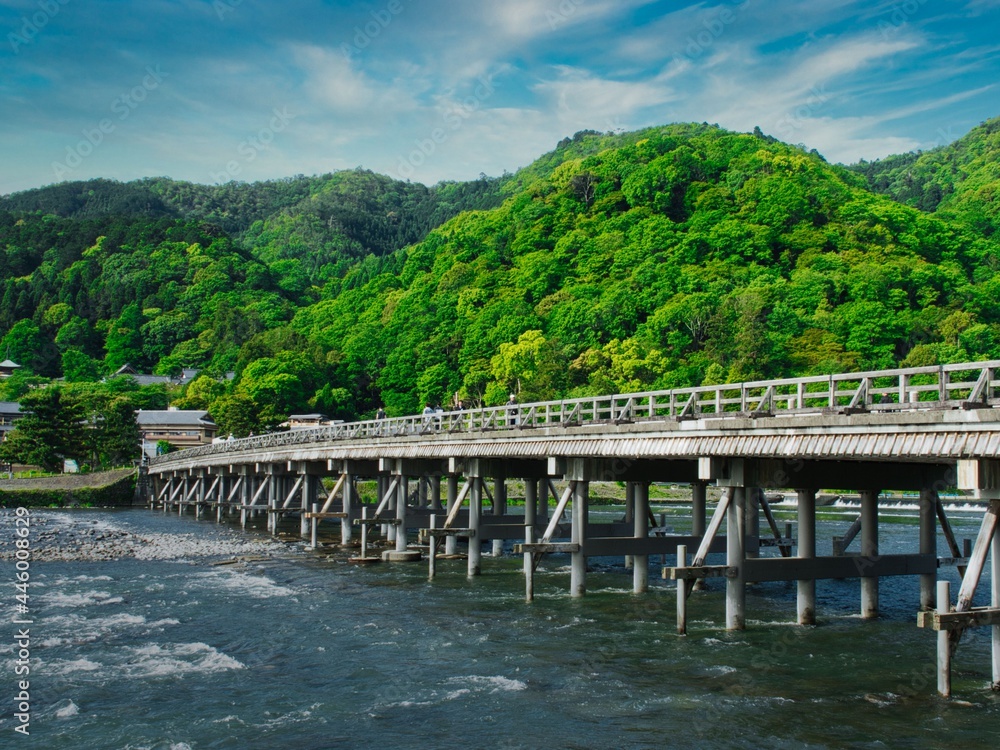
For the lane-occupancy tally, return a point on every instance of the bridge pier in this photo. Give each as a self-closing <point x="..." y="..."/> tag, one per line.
<point x="499" y="505"/>
<point x="736" y="592"/>
<point x="928" y="545"/>
<point x="869" y="553"/>
<point x="578" y="558"/>
<point x="806" y="589"/>
<point x="530" y="513"/>
<point x="473" y="475"/>
<point x="451" y="492"/>
<point x="995" y="604"/>
<point x="630" y="510"/>
<point x="699" y="515"/>
<point x="640" y="526"/>
<point x="347" y="505"/>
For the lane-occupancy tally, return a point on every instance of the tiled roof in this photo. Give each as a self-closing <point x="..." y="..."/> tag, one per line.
<point x="151" y="417"/>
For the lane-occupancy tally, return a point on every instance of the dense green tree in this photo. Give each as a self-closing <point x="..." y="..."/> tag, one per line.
<point x="52" y="430"/>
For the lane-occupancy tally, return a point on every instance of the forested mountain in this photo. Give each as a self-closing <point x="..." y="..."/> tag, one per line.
<point x="959" y="180"/>
<point x="665" y="257"/>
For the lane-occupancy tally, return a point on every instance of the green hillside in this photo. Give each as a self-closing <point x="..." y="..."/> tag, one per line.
<point x="960" y="180"/>
<point x="666" y="257"/>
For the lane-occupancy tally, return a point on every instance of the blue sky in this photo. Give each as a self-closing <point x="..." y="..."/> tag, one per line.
<point x="428" y="90"/>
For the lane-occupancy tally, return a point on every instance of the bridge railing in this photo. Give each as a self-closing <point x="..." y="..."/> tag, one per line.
<point x="917" y="388"/>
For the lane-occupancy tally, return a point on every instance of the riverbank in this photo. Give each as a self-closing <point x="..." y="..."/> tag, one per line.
<point x="85" y="536"/>
<point x="107" y="489"/>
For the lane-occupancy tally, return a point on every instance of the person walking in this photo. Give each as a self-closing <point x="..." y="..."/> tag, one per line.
<point x="513" y="413"/>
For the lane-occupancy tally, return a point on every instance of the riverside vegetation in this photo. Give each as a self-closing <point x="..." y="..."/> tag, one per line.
<point x="666" y="257"/>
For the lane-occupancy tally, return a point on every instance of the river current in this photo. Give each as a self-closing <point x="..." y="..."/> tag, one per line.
<point x="299" y="649"/>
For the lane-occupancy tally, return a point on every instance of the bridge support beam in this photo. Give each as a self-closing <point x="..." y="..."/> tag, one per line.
<point x="578" y="559"/>
<point x="400" y="527"/>
<point x="806" y="598"/>
<point x="699" y="493"/>
<point x="736" y="592"/>
<point x="451" y="497"/>
<point x="928" y="545"/>
<point x="274" y="486"/>
<point x="752" y="529"/>
<point x="310" y="483"/>
<point x="640" y="526"/>
<point x="246" y="490"/>
<point x="499" y="506"/>
<point x="629" y="516"/>
<point x="473" y="475"/>
<point x="995" y="603"/>
<point x="347" y="505"/>
<point x="869" y="553"/>
<point x="530" y="513"/>
<point x="699" y="515"/>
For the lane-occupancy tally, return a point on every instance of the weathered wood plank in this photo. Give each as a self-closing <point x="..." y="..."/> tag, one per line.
<point x="701" y="571"/>
<point x="854" y="566"/>
<point x="546" y="548"/>
<point x="973" y="618"/>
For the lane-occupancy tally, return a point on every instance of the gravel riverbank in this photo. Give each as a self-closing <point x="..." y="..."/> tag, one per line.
<point x="76" y="536"/>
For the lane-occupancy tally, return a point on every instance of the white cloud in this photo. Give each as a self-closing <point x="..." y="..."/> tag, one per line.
<point x="577" y="96"/>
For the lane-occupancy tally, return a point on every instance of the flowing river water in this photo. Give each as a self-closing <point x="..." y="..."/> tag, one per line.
<point x="167" y="649"/>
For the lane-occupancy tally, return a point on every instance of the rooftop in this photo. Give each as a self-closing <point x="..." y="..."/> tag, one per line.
<point x="151" y="417"/>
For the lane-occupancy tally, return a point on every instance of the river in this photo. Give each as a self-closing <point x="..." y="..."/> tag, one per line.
<point x="296" y="649"/>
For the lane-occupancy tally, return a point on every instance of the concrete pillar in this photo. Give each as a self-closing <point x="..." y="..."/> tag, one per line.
<point x="388" y="530"/>
<point x="995" y="604"/>
<point x="499" y="508"/>
<point x="682" y="591"/>
<point x="699" y="491"/>
<point x="220" y="496"/>
<point x="347" y="493"/>
<point x="307" y="496"/>
<point x="184" y="495"/>
<point x="475" y="512"/>
<point x="578" y="560"/>
<point x="640" y="525"/>
<point x="199" y="495"/>
<point x="736" y="594"/>
<point x="699" y="514"/>
<point x="422" y="492"/>
<point x="943" y="641"/>
<point x="928" y="545"/>
<point x="383" y="487"/>
<point x="629" y="516"/>
<point x="754" y="495"/>
<point x="869" y="552"/>
<point x="245" y="494"/>
<point x="530" y="507"/>
<point x="806" y="603"/>
<point x="451" y="542"/>
<point x="400" y="527"/>
<point x="435" y="493"/>
<point x="273" y="487"/>
<point x="543" y="501"/>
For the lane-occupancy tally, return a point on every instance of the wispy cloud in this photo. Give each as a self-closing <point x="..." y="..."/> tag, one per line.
<point x="369" y="83"/>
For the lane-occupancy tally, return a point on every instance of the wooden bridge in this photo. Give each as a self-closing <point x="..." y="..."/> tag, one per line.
<point x="924" y="430"/>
